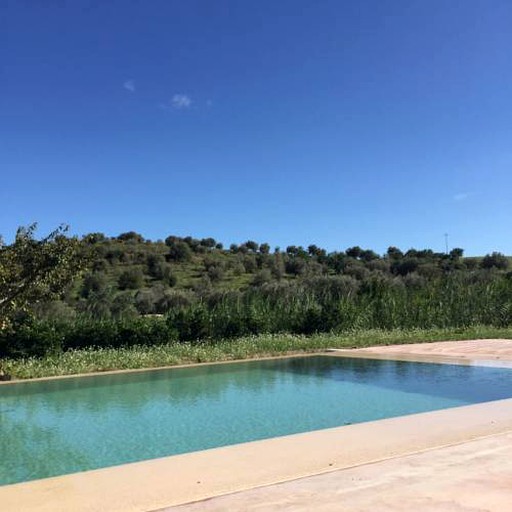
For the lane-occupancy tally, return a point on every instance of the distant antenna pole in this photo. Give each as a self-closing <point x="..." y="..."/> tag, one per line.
<point x="446" y="242"/>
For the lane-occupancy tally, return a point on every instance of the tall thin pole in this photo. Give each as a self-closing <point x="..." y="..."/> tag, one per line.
<point x="446" y="242"/>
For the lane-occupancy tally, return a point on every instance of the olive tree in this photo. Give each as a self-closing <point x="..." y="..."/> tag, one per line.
<point x="32" y="270"/>
<point x="496" y="260"/>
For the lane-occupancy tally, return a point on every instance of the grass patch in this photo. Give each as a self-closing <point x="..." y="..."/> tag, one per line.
<point x="105" y="359"/>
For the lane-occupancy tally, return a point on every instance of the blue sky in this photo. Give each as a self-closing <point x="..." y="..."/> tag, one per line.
<point x="370" y="123"/>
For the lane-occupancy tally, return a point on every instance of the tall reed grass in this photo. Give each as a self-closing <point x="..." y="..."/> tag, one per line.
<point x="320" y="306"/>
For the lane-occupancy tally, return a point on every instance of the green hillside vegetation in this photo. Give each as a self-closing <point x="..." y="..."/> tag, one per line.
<point x="139" y="292"/>
<point x="130" y="276"/>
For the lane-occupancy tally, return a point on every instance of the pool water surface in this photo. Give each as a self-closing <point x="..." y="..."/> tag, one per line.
<point x="55" y="427"/>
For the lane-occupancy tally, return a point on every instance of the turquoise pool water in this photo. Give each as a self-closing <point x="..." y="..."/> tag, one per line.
<point x="55" y="427"/>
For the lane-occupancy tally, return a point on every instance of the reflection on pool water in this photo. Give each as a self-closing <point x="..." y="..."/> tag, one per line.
<point x="63" y="426"/>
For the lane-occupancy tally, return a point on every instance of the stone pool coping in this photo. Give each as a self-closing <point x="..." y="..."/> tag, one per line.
<point x="489" y="358"/>
<point x="159" y="483"/>
<point x="157" y="368"/>
<point x="467" y="477"/>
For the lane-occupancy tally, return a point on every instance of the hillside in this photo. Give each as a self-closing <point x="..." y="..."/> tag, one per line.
<point x="130" y="276"/>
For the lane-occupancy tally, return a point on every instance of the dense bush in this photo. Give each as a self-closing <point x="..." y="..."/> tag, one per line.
<point x="495" y="260"/>
<point x="38" y="338"/>
<point x="131" y="279"/>
<point x="141" y="292"/>
<point x="318" y="305"/>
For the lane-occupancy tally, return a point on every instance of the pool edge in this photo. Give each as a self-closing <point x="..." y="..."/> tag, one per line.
<point x="481" y="360"/>
<point x="159" y="368"/>
<point x="159" y="483"/>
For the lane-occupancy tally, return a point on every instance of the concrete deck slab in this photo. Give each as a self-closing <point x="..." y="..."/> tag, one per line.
<point x="474" y="476"/>
<point x="469" y="349"/>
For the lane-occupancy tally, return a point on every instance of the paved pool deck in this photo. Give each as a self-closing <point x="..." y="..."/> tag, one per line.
<point x="466" y="477"/>
<point x="474" y="350"/>
<point x="456" y="459"/>
<point x="469" y="477"/>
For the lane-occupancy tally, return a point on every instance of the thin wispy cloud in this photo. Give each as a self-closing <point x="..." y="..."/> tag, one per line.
<point x="129" y="85"/>
<point x="181" y="101"/>
<point x="177" y="102"/>
<point x="461" y="196"/>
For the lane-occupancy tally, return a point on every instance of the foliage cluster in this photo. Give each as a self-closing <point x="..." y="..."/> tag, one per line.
<point x="104" y="359"/>
<point x="318" y="305"/>
<point x="130" y="276"/>
<point x="137" y="292"/>
<point x="33" y="271"/>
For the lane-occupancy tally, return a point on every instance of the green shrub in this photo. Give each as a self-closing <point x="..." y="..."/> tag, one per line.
<point x="131" y="279"/>
<point x="320" y="304"/>
<point x="30" y="339"/>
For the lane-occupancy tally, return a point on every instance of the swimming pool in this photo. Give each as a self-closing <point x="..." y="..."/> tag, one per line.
<point x="61" y="426"/>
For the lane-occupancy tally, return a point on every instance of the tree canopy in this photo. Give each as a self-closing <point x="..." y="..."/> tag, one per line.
<point x="131" y="275"/>
<point x="34" y="270"/>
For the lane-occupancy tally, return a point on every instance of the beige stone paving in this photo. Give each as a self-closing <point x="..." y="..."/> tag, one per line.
<point x="470" y="477"/>
<point x="473" y="476"/>
<point x="473" y="349"/>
